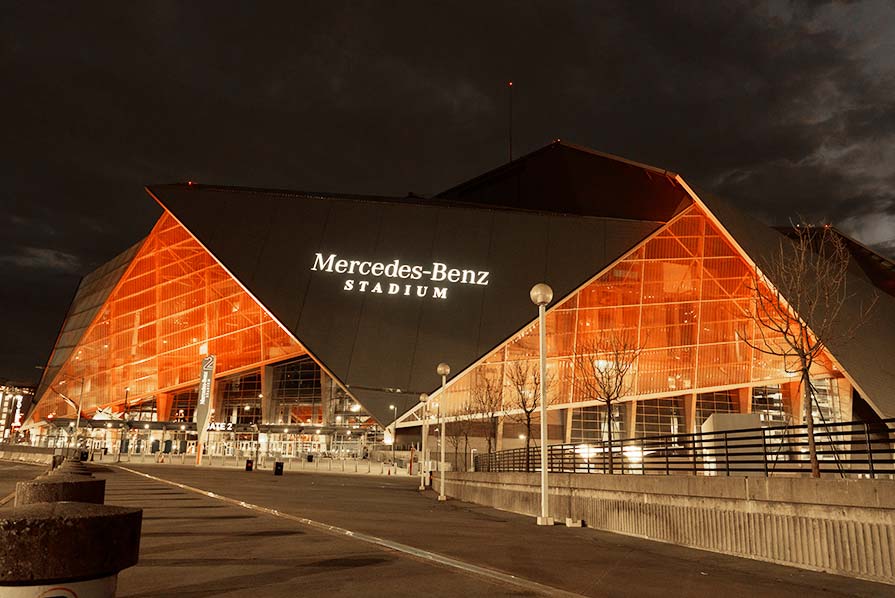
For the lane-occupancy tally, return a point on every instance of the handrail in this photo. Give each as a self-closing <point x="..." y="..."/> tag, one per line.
<point x="843" y="448"/>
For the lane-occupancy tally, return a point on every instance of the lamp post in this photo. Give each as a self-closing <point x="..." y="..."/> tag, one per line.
<point x="394" y="435"/>
<point x="78" y="416"/>
<point x="541" y="294"/>
<point x="425" y="432"/>
<point x="443" y="370"/>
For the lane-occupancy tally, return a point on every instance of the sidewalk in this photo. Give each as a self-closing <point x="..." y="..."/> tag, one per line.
<point x="582" y="561"/>
<point x="12" y="472"/>
<point x="193" y="545"/>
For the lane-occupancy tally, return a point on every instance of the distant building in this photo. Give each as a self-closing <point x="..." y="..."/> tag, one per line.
<point x="326" y="310"/>
<point x="15" y="402"/>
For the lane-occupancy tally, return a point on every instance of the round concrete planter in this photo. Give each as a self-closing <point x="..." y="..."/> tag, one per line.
<point x="71" y="468"/>
<point x="61" y="487"/>
<point x="61" y="544"/>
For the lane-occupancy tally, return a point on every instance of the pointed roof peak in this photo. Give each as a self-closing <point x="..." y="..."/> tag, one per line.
<point x="563" y="177"/>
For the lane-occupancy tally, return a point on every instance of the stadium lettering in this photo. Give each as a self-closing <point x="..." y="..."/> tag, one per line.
<point x="387" y="278"/>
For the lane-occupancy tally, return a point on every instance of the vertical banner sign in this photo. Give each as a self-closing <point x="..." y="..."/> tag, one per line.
<point x="17" y="418"/>
<point x="203" y="405"/>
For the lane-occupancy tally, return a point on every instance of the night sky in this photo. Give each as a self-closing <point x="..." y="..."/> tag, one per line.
<point x="783" y="107"/>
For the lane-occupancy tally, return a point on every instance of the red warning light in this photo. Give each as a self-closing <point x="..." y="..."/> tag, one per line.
<point x="190" y="183"/>
<point x="509" y="83"/>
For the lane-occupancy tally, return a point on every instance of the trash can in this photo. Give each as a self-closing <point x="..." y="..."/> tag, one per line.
<point x="278" y="468"/>
<point x="310" y="458"/>
<point x="84" y="455"/>
<point x="250" y="464"/>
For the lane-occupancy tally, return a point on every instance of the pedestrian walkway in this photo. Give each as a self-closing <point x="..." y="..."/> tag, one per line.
<point x="14" y="472"/>
<point x="194" y="545"/>
<point x="221" y="531"/>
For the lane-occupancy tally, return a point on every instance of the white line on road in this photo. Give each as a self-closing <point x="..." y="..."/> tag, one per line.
<point x="426" y="555"/>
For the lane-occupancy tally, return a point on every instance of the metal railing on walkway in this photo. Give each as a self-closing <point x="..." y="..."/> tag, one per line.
<point x="851" y="449"/>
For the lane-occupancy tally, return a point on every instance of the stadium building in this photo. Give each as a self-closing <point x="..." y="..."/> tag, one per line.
<point x="327" y="314"/>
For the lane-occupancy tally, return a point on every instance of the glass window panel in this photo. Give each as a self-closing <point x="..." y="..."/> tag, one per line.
<point x="660" y="417"/>
<point x="591" y="424"/>
<point x="767" y="402"/>
<point x="724" y="401"/>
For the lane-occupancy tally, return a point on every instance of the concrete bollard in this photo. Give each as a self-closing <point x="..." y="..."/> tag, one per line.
<point x="71" y="548"/>
<point x="61" y="487"/>
<point x="71" y="467"/>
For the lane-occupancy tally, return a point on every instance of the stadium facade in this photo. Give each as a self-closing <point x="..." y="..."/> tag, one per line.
<point x="327" y="314"/>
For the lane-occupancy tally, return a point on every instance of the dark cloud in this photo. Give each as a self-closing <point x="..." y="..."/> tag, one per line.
<point x="784" y="107"/>
<point x="41" y="258"/>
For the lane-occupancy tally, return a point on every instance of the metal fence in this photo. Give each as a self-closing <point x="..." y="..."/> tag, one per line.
<point x="852" y="449"/>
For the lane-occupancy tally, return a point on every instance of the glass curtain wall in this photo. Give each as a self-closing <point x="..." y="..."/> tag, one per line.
<point x="183" y="405"/>
<point x="768" y="402"/>
<point x="682" y="298"/>
<point x="297" y="392"/>
<point x="724" y="401"/>
<point x="174" y="305"/>
<point x="240" y="399"/>
<point x="590" y="424"/>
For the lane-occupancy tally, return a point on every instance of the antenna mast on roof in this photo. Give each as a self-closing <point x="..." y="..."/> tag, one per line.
<point x="510" y="144"/>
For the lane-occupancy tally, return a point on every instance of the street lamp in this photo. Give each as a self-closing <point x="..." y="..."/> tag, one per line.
<point x="541" y="294"/>
<point x="442" y="370"/>
<point x="394" y="435"/>
<point x="423" y="399"/>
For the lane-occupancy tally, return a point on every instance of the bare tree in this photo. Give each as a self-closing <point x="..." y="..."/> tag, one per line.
<point x="602" y="371"/>
<point x="798" y="296"/>
<point x="487" y="400"/>
<point x="524" y="379"/>
<point x="458" y="432"/>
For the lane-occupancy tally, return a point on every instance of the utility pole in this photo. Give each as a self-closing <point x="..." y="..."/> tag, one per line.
<point x="510" y="88"/>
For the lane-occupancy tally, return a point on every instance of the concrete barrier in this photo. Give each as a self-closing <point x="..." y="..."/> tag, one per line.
<point x="22" y="453"/>
<point x="69" y="547"/>
<point x="846" y="527"/>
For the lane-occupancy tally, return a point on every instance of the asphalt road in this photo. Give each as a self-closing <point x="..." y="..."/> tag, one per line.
<point x="276" y="544"/>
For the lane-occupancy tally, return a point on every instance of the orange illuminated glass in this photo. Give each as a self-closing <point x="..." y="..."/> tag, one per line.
<point x="683" y="295"/>
<point x="174" y="305"/>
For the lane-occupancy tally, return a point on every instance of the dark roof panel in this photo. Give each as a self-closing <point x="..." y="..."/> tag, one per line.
<point x="563" y="178"/>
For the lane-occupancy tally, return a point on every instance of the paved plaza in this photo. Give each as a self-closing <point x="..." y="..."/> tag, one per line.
<point x="11" y="473"/>
<point x="263" y="535"/>
<point x="226" y="532"/>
